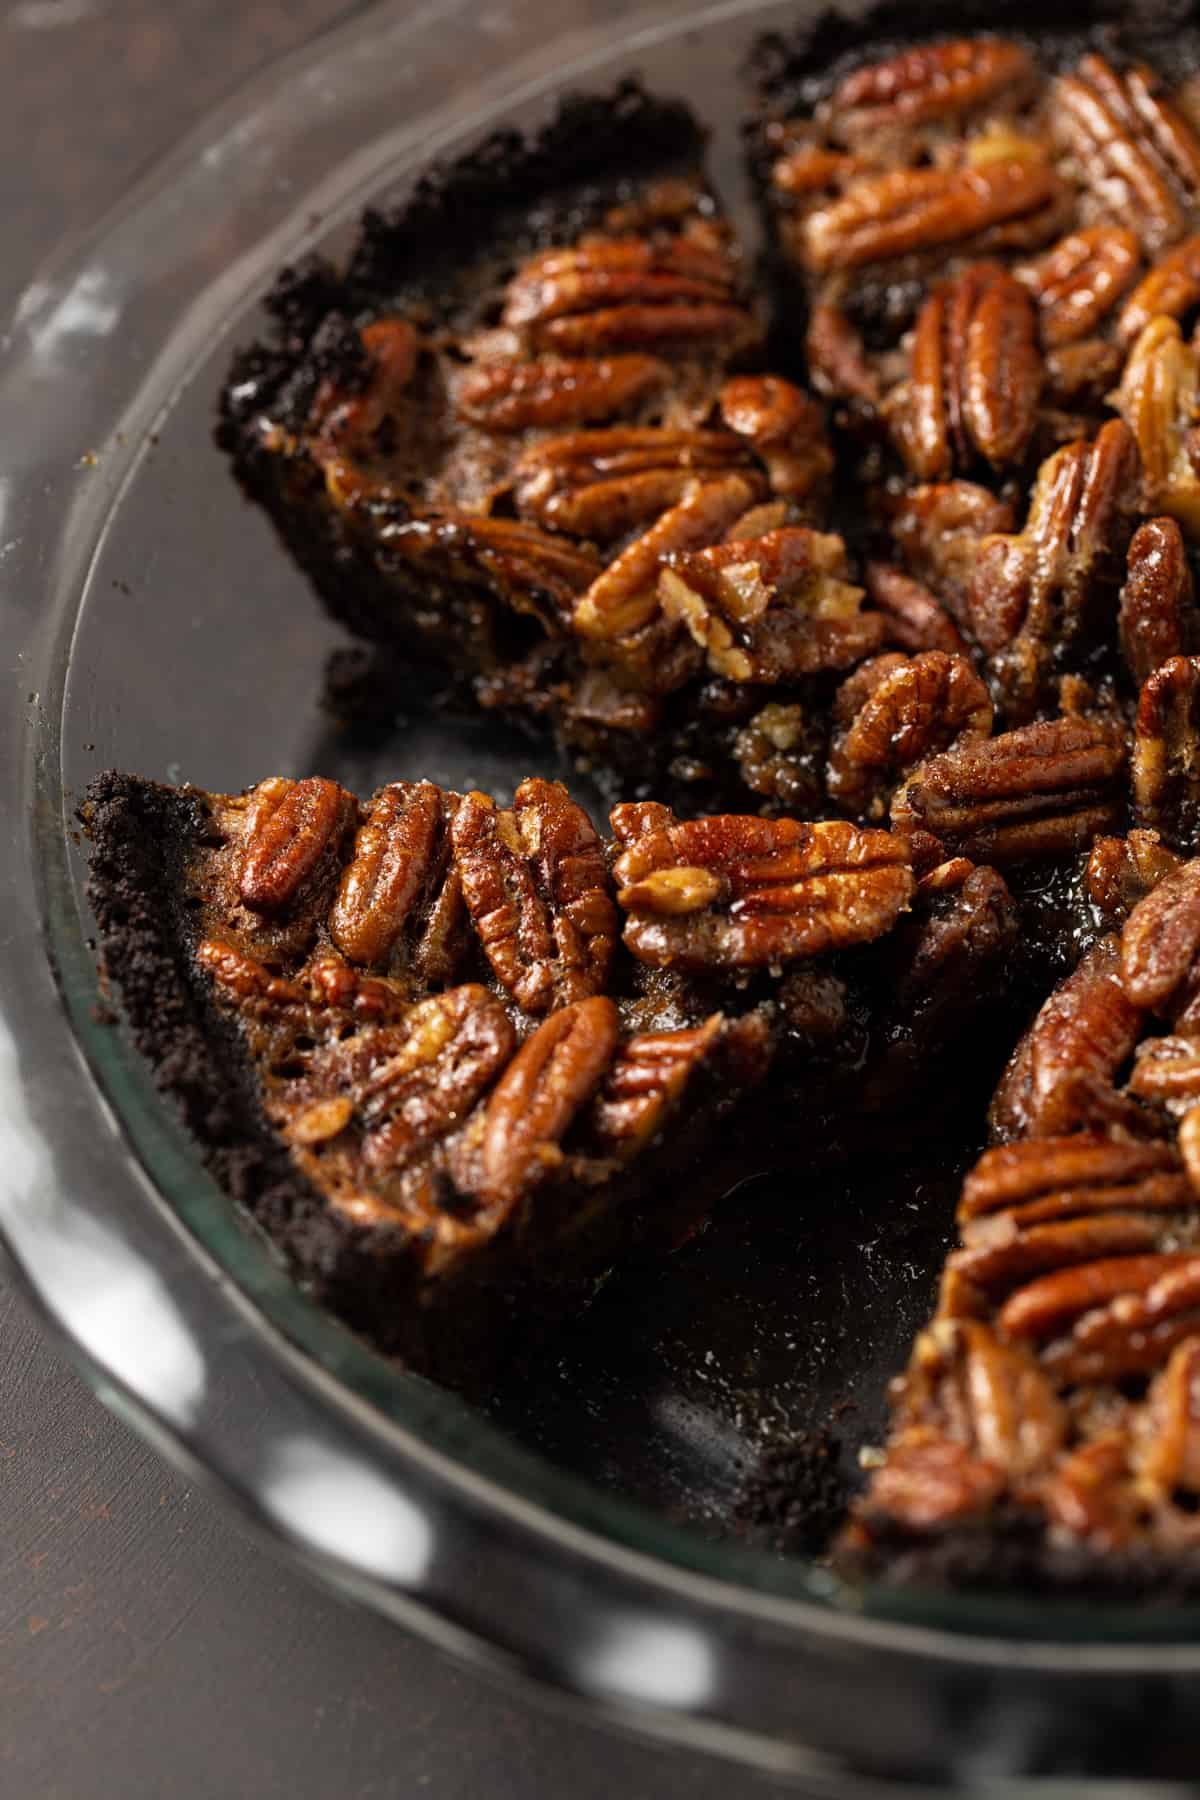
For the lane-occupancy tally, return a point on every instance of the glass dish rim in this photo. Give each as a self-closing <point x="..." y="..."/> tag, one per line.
<point x="603" y="1528"/>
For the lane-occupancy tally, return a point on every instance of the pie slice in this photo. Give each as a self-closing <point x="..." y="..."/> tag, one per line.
<point x="1048" y="1426"/>
<point x="523" y="433"/>
<point x="459" y="1058"/>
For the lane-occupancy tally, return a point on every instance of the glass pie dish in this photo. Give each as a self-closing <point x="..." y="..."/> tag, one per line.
<point x="576" y="1535"/>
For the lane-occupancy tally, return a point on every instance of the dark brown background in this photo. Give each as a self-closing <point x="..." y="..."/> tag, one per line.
<point x="146" y="1647"/>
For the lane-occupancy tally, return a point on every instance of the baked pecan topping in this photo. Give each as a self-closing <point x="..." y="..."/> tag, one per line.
<point x="293" y="827"/>
<point x="344" y="424"/>
<point x="1110" y="1319"/>
<point x="785" y="428"/>
<point x="554" y="391"/>
<point x="1170" y="1461"/>
<point x="930" y="84"/>
<point x="1160" y="944"/>
<point x="975" y="376"/>
<point x="1171" y="289"/>
<point x="1035" y="595"/>
<point x="1166" y="752"/>
<point x="938" y="529"/>
<point x="410" y="1084"/>
<point x="397" y="881"/>
<point x="1158" y="400"/>
<point x="536" y="887"/>
<point x="836" y="356"/>
<point x="738" y="893"/>
<point x="893" y="713"/>
<point x="625" y="597"/>
<point x="1043" y="790"/>
<point x="653" y="1071"/>
<point x="977" y="1417"/>
<point x="603" y="484"/>
<point x="1061" y="1076"/>
<point x="1042" y="1179"/>
<point x="1156" y="616"/>
<point x="1137" y="153"/>
<point x="929" y="1482"/>
<point x="1091" y="1495"/>
<point x="916" y="619"/>
<point x="1122" y="871"/>
<point x="891" y="215"/>
<point x="771" y="608"/>
<point x="1078" y="281"/>
<point x="533" y="571"/>
<point x="550" y="1079"/>
<point x="611" y="294"/>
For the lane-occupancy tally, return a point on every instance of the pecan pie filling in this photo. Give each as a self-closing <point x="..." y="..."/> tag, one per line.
<point x="878" y="576"/>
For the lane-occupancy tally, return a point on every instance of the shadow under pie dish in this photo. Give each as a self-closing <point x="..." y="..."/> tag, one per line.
<point x="986" y="707"/>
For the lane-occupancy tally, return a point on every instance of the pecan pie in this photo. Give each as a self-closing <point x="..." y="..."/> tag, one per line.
<point x="451" y="1052"/>
<point x="882" y="627"/>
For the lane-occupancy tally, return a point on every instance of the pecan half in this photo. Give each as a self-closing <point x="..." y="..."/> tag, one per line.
<point x="1036" y="596"/>
<point x="1166" y="1073"/>
<point x="1158" y="399"/>
<point x="916" y="619"/>
<point x="975" y="376"/>
<point x="550" y="1079"/>
<point x="1156" y="619"/>
<point x="1061" y="1075"/>
<point x="1170" y="290"/>
<point x="1122" y="871"/>
<point x="1169" y="1459"/>
<point x="603" y="484"/>
<point x="624" y="598"/>
<point x="554" y="391"/>
<point x="398" y="886"/>
<point x="295" y="827"/>
<point x="904" y="210"/>
<point x="530" y="570"/>
<point x="1040" y="1179"/>
<point x="1043" y="790"/>
<point x="535" y="884"/>
<point x="733" y="892"/>
<point x="771" y="608"/>
<point x="836" y="356"/>
<point x="894" y="712"/>
<point x="1161" y="942"/>
<point x="661" y="293"/>
<point x="410" y="1084"/>
<point x="1166" y="752"/>
<point x="1112" y="1319"/>
<point x="1092" y="1496"/>
<point x="938" y="529"/>
<point x="1079" y="280"/>
<point x="939" y="83"/>
<point x="1135" y="150"/>
<point x="786" y="429"/>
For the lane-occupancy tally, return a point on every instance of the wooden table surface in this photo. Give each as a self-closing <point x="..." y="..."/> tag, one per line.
<point x="147" y="1648"/>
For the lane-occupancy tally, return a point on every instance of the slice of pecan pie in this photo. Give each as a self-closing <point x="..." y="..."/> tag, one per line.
<point x="459" y="1057"/>
<point x="1048" y="1425"/>
<point x="524" y="433"/>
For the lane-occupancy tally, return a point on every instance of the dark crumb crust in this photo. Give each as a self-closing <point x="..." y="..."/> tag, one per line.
<point x="1009" y="1552"/>
<point x="142" y="836"/>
